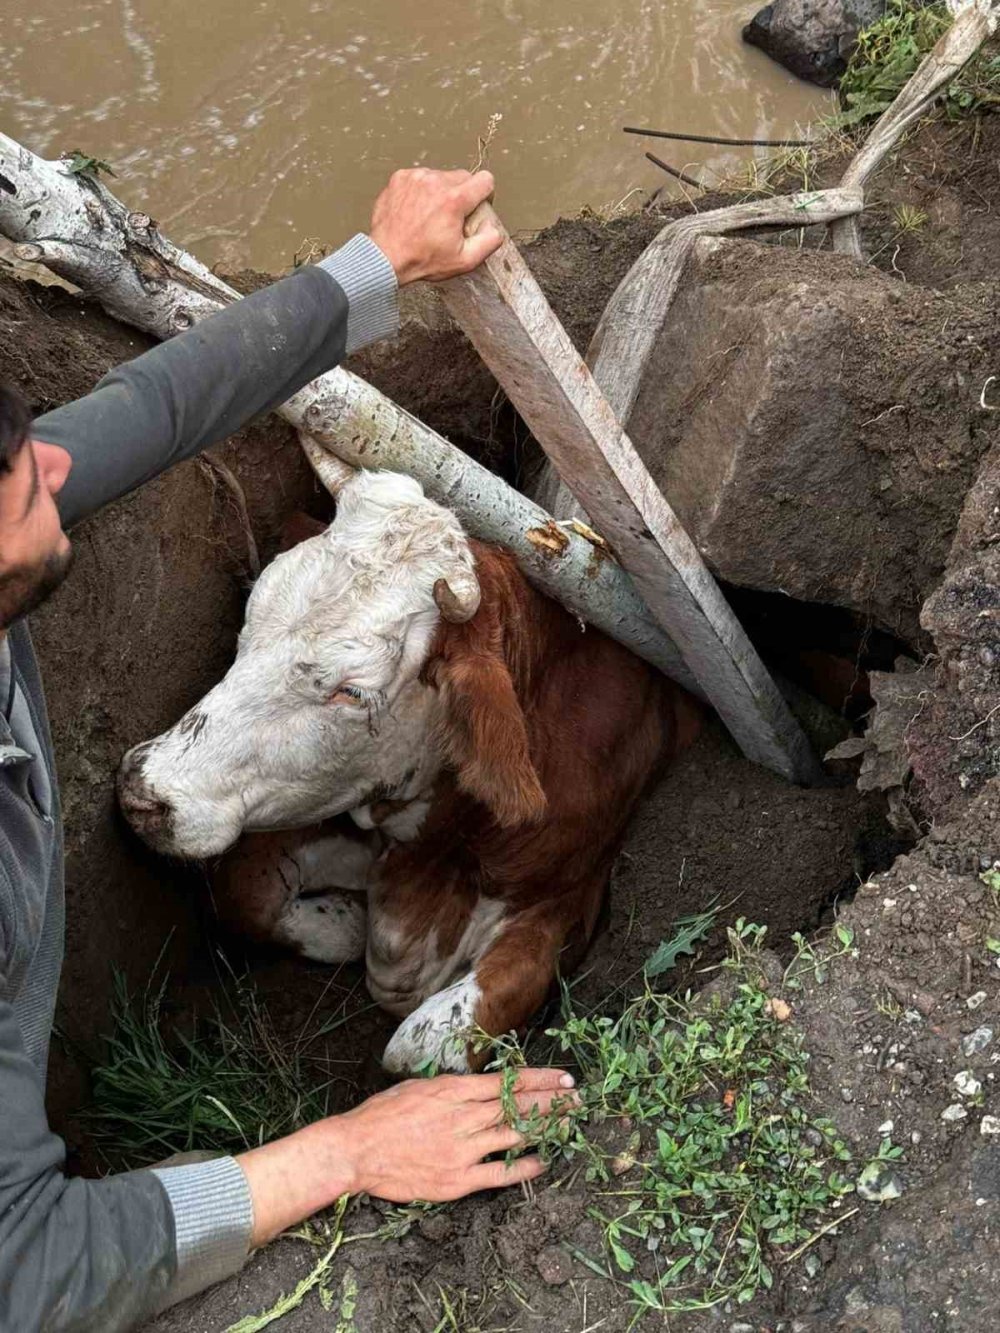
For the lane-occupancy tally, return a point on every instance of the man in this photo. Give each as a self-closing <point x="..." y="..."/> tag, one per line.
<point x="102" y="1255"/>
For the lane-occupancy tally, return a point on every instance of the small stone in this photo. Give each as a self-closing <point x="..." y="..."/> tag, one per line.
<point x="990" y="1124"/>
<point x="974" y="1001"/>
<point x="888" y="904"/>
<point x="911" y="1016"/>
<point x="925" y="1002"/>
<point x="966" y="1084"/>
<point x="813" y="1264"/>
<point x="742" y="1328"/>
<point x="779" y="1010"/>
<point x="885" y="1128"/>
<point x="555" y="1267"/>
<point x="847" y="1094"/>
<point x="878" y="1183"/>
<point x="915" y="1137"/>
<point x="956" y="1111"/>
<point x="977" y="1041"/>
<point x="814" y="1138"/>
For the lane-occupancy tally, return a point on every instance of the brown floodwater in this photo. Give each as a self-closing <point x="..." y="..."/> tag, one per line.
<point x="246" y="126"/>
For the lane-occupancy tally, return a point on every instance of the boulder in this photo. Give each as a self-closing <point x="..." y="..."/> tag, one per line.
<point x="812" y="38"/>
<point x="816" y="424"/>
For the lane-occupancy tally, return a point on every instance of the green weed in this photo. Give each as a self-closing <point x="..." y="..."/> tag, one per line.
<point x="727" y="1170"/>
<point x="888" y="53"/>
<point x="82" y="164"/>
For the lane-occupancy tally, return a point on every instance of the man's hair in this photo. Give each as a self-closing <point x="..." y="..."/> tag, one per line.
<point x="15" y="420"/>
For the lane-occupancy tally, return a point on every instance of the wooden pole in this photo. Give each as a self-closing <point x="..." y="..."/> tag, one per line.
<point x="506" y="316"/>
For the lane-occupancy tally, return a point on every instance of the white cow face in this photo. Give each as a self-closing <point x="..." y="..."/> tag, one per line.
<point x="322" y="710"/>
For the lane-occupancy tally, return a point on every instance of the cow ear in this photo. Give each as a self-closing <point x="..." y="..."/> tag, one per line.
<point x="484" y="734"/>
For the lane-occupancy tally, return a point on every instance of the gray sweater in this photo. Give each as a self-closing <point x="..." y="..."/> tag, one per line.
<point x="96" y="1256"/>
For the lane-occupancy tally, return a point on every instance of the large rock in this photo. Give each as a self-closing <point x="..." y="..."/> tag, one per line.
<point x="816" y="425"/>
<point x="812" y="38"/>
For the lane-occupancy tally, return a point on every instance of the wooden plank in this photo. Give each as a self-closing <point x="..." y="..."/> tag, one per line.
<point x="506" y="316"/>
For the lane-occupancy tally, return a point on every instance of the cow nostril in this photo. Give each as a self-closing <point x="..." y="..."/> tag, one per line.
<point x="144" y="805"/>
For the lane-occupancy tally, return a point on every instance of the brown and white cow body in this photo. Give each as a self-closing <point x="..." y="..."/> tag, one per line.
<point x="493" y="752"/>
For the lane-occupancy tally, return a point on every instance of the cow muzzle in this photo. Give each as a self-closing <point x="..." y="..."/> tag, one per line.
<point x="150" y="815"/>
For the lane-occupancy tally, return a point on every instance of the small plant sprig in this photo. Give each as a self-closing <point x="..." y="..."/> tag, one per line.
<point x="82" y="164"/>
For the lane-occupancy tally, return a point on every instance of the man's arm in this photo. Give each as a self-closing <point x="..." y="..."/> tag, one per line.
<point x="203" y="385"/>
<point x="97" y="1256"/>
<point x="178" y="398"/>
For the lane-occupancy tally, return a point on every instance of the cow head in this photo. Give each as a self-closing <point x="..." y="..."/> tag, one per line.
<point x="324" y="709"/>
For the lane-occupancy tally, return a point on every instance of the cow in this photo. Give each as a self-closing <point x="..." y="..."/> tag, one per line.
<point x="488" y="748"/>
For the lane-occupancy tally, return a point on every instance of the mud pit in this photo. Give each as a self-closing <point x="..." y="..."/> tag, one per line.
<point x="148" y="621"/>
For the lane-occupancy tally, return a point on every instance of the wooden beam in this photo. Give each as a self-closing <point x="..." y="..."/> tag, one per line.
<point x="506" y="316"/>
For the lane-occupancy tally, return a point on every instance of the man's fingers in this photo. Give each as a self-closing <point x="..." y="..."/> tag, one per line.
<point x="482" y="245"/>
<point x="499" y="1139"/>
<point x="529" y="1102"/>
<point x="497" y="1175"/>
<point x="473" y="191"/>
<point x="487" y="1087"/>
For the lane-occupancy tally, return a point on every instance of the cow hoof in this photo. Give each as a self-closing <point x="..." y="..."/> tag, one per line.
<point x="327" y="927"/>
<point x="435" y="1038"/>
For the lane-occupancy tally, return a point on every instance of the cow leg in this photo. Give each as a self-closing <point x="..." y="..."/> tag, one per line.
<point x="505" y="985"/>
<point x="303" y="889"/>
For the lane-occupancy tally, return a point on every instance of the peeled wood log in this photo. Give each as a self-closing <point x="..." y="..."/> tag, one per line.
<point x="503" y="311"/>
<point x="78" y="229"/>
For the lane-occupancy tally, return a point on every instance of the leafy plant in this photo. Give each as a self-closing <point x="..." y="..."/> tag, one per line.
<point x="81" y="164"/>
<point x="888" y="53"/>
<point x="727" y="1169"/>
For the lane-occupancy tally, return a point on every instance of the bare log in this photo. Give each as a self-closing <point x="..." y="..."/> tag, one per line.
<point x="505" y="314"/>
<point x="78" y="229"/>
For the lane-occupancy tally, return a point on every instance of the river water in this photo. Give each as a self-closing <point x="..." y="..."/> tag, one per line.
<point x="246" y="127"/>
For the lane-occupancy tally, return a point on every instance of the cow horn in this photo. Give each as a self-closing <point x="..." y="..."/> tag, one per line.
<point x="332" y="472"/>
<point x="457" y="601"/>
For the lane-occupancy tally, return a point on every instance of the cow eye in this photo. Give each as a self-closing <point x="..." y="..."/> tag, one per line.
<point x="349" y="693"/>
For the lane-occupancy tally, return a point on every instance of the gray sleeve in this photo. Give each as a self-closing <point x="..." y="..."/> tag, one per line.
<point x="178" y="398"/>
<point x="98" y="1256"/>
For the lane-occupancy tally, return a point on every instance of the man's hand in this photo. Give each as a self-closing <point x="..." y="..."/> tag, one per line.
<point x="424" y="1139"/>
<point x="418" y="223"/>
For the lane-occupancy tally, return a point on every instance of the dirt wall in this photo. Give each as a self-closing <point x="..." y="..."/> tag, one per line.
<point x="145" y="623"/>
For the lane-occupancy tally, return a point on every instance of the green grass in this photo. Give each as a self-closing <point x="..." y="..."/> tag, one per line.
<point x="228" y="1085"/>
<point x="888" y="53"/>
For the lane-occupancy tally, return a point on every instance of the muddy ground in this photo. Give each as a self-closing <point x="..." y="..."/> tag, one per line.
<point x="148" y="621"/>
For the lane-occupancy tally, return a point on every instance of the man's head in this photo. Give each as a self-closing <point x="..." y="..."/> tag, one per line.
<point x="35" y="553"/>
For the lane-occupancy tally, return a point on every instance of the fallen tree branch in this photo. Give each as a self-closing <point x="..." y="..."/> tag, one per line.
<point x="76" y="227"/>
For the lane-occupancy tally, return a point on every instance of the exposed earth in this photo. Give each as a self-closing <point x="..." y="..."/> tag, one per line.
<point x="148" y="621"/>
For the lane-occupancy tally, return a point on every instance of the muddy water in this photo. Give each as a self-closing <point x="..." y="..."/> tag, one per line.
<point x="246" y="126"/>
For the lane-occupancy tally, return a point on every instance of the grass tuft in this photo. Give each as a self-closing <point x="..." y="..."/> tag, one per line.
<point x="229" y="1085"/>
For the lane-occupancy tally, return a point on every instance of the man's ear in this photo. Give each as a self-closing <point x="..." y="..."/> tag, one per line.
<point x="484" y="732"/>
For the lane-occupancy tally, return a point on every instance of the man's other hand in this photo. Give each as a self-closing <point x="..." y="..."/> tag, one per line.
<point x="424" y="1139"/>
<point x="418" y="223"/>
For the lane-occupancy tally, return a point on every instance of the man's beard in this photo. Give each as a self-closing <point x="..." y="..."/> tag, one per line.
<point x="25" y="587"/>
